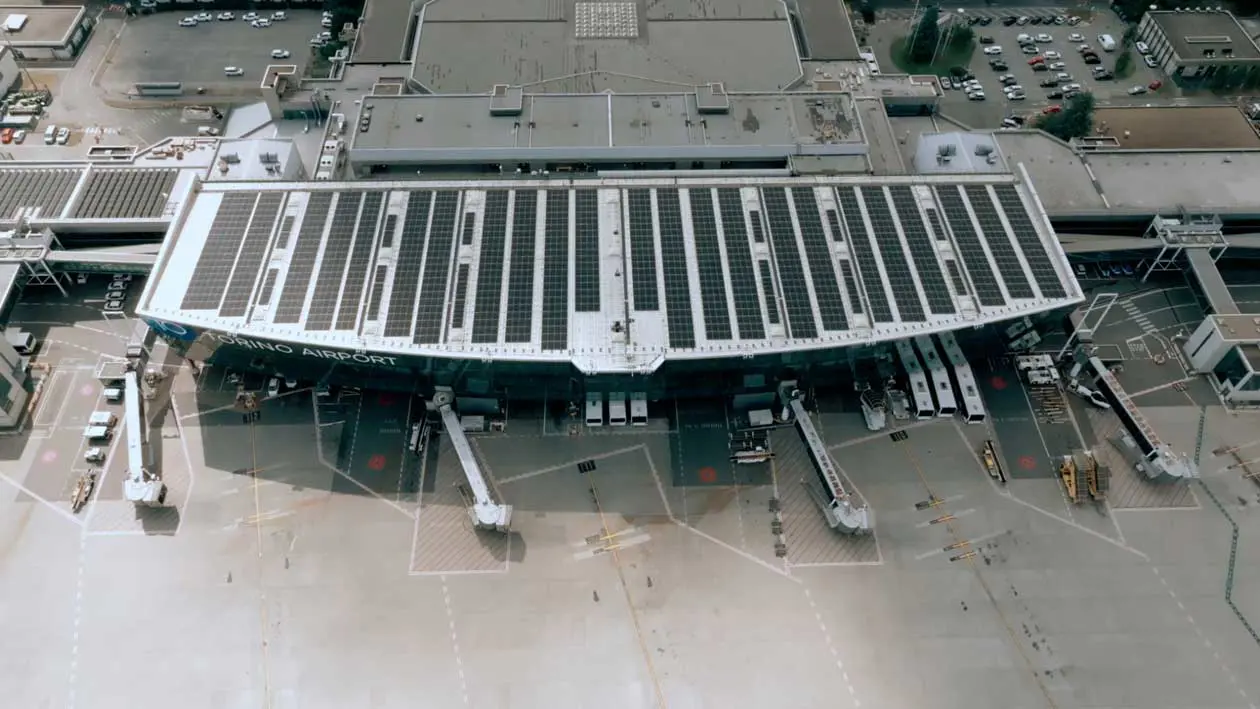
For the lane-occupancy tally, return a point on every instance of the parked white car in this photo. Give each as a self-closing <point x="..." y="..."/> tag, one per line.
<point x="993" y="49"/>
<point x="233" y="71"/>
<point x="281" y="54"/>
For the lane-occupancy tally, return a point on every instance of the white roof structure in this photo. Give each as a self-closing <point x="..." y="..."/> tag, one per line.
<point x="613" y="275"/>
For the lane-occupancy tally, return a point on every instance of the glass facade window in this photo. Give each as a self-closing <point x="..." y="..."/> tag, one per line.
<point x="1232" y="368"/>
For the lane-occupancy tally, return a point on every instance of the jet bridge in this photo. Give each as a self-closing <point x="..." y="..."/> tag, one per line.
<point x="142" y="487"/>
<point x="839" y="507"/>
<point x="1158" y="463"/>
<point x="483" y="510"/>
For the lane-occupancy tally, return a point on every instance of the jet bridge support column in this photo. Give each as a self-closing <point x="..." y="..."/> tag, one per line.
<point x="484" y="511"/>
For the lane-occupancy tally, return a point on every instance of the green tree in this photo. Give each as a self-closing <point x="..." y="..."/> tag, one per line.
<point x="867" y="12"/>
<point x="1124" y="64"/>
<point x="1130" y="36"/>
<point x="961" y="37"/>
<point x="1076" y="120"/>
<point x="926" y="35"/>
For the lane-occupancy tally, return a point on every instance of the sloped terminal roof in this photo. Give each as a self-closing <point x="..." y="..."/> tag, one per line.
<point x="89" y="192"/>
<point x="468" y="46"/>
<point x="612" y="275"/>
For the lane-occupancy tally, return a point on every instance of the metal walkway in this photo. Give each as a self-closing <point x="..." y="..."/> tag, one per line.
<point x="1158" y="463"/>
<point x="101" y="260"/>
<point x="1209" y="277"/>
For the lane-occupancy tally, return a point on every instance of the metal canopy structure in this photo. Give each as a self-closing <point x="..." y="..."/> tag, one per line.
<point x="612" y="275"/>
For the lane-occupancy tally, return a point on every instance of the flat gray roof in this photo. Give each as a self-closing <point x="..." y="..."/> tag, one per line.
<point x="383" y="32"/>
<point x="602" y="121"/>
<point x="45" y="25"/>
<point x="1176" y="127"/>
<point x="1190" y="33"/>
<point x="1208" y="181"/>
<point x="1062" y="182"/>
<point x="468" y="47"/>
<point x="828" y="30"/>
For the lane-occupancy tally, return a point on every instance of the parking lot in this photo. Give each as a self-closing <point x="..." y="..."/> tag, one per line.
<point x="989" y="113"/>
<point x="156" y="48"/>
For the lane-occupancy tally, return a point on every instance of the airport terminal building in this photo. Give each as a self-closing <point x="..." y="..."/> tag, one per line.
<point x="656" y="286"/>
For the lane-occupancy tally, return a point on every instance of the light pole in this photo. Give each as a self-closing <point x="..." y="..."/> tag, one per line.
<point x="943" y="40"/>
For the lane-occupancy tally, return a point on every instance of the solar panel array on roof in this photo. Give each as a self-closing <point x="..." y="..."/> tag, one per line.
<point x="437" y="269"/>
<point x="282" y="236"/>
<point x="302" y="262"/>
<point x="410" y="255"/>
<point x="682" y="326"/>
<point x="767" y="287"/>
<point x="332" y="265"/>
<point x="378" y="291"/>
<point x="1029" y="240"/>
<point x="851" y="286"/>
<point x="922" y="251"/>
<point x="586" y="252"/>
<point x="833" y="222"/>
<point x="360" y="260"/>
<point x="787" y="256"/>
<point x="642" y="250"/>
<point x="860" y="244"/>
<point x="555" y="283"/>
<point x="253" y="249"/>
<point x="740" y="265"/>
<point x="974" y="259"/>
<point x="519" y="324"/>
<point x="140" y="193"/>
<point x="387" y="234"/>
<point x="461" y="294"/>
<point x="268" y="287"/>
<point x="955" y="275"/>
<point x="214" y="265"/>
<point x="934" y="218"/>
<point x="37" y="192"/>
<point x="485" y="326"/>
<point x="818" y="255"/>
<point x="717" y="318"/>
<point x="999" y="243"/>
<point x="887" y="239"/>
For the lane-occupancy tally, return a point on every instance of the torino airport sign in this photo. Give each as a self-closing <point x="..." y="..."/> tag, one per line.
<point x="185" y="334"/>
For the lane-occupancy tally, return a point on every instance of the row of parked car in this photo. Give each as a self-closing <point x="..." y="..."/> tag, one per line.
<point x="253" y="18"/>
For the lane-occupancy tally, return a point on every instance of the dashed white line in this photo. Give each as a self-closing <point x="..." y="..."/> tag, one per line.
<point x="459" y="659"/>
<point x="831" y="647"/>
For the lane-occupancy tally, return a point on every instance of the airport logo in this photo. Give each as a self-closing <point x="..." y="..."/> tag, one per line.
<point x="173" y="331"/>
<point x="336" y="355"/>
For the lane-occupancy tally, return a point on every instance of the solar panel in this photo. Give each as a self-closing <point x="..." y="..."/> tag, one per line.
<point x="758" y="229"/>
<point x="520" y="296"/>
<point x="410" y="254"/>
<point x="922" y="251"/>
<point x="470" y="227"/>
<point x="767" y="287"/>
<point x="867" y="266"/>
<point x="286" y="227"/>
<point x="787" y="256"/>
<point x="1030" y="242"/>
<point x="248" y="262"/>
<point x="642" y="250"/>
<point x="268" y="287"/>
<point x="302" y="261"/>
<point x="818" y="255"/>
<point x="378" y="290"/>
<point x="888" y="242"/>
<point x="586" y="252"/>
<point x="360" y="262"/>
<point x="214" y="265"/>
<point x="739" y="264"/>
<point x="437" y="269"/>
<point x="999" y="242"/>
<point x="955" y="275"/>
<point x="833" y="221"/>
<point x="387" y="234"/>
<point x="717" y="317"/>
<point x="851" y="286"/>
<point x="486" y="309"/>
<point x="738" y="261"/>
<point x="332" y="265"/>
<point x="555" y="285"/>
<point x="934" y="218"/>
<point x="974" y="259"/>
<point x="461" y="293"/>
<point x="681" y="323"/>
